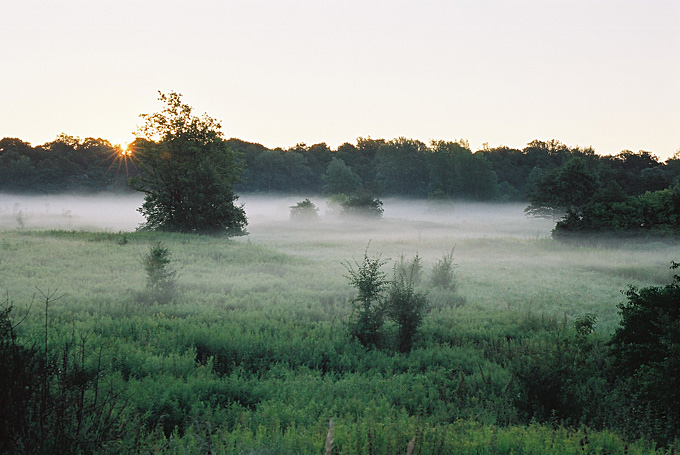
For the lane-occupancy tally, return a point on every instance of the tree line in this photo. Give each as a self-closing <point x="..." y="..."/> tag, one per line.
<point x="397" y="167"/>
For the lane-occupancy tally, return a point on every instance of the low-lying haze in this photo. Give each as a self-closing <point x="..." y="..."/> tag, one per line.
<point x="402" y="218"/>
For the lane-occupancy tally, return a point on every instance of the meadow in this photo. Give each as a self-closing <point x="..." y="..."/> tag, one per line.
<point x="252" y="354"/>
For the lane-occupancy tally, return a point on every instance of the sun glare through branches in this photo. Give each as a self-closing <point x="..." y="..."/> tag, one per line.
<point x="122" y="157"/>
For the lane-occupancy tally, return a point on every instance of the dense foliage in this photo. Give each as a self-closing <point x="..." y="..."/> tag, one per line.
<point x="55" y="398"/>
<point x="538" y="173"/>
<point x="65" y="164"/>
<point x="646" y="349"/>
<point x="651" y="213"/>
<point x="187" y="173"/>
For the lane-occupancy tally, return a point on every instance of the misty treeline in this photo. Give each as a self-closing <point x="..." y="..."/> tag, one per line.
<point x="398" y="167"/>
<point x="65" y="164"/>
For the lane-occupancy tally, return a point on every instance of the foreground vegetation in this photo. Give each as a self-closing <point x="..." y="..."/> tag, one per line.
<point x="252" y="352"/>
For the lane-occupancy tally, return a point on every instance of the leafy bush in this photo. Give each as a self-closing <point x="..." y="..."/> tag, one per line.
<point x="443" y="273"/>
<point x="304" y="211"/>
<point x="405" y="306"/>
<point x="656" y="212"/>
<point x="161" y="281"/>
<point x="646" y="352"/>
<point x="363" y="204"/>
<point x="368" y="312"/>
<point x="379" y="298"/>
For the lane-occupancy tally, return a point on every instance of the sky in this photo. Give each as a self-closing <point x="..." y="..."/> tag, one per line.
<point x="597" y="73"/>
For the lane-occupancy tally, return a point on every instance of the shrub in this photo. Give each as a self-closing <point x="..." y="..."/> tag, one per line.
<point x="444" y="273"/>
<point x="646" y="352"/>
<point x="363" y="204"/>
<point x="368" y="314"/>
<point x="304" y="211"/>
<point x="404" y="305"/>
<point x="409" y="270"/>
<point x="161" y="281"/>
<point x="52" y="400"/>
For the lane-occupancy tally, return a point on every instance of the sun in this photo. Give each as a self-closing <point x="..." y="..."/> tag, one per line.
<point x="122" y="156"/>
<point x="125" y="150"/>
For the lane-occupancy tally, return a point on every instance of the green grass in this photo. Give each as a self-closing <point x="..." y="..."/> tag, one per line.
<point x="253" y="355"/>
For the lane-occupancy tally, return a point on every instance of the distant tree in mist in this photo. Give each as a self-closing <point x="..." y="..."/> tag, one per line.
<point x="566" y="189"/>
<point x="363" y="204"/>
<point x="339" y="178"/>
<point x="304" y="210"/>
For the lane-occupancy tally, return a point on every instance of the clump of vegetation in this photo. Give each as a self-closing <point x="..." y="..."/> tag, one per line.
<point x="304" y="211"/>
<point x="368" y="315"/>
<point x="161" y="279"/>
<point x="646" y="352"/>
<point x="585" y="325"/>
<point x="656" y="212"/>
<point x="404" y="305"/>
<point x="380" y="299"/>
<point x="411" y="271"/>
<point x="363" y="204"/>
<point x="53" y="399"/>
<point x="188" y="172"/>
<point x="443" y="274"/>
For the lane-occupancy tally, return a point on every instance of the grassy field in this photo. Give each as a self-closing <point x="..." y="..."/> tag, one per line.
<point x="253" y="355"/>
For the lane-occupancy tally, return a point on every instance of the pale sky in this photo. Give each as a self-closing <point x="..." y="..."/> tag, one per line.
<point x="594" y="73"/>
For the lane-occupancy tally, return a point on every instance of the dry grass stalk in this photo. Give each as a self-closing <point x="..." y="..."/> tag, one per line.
<point x="329" y="438"/>
<point x="411" y="445"/>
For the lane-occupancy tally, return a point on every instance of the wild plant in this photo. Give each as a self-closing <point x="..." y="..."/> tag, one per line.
<point x="304" y="211"/>
<point x="54" y="399"/>
<point x="443" y="273"/>
<point x="404" y="305"/>
<point x="411" y="271"/>
<point x="368" y="311"/>
<point x="161" y="280"/>
<point x="19" y="218"/>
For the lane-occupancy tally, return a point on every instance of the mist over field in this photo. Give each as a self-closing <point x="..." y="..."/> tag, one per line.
<point x="505" y="259"/>
<point x="118" y="212"/>
<point x="266" y="317"/>
<point x="112" y="212"/>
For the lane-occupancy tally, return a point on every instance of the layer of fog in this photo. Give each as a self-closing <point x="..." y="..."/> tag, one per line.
<point x="118" y="212"/>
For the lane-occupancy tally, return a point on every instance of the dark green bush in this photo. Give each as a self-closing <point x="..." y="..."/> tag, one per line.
<point x="363" y="204"/>
<point x="646" y="353"/>
<point x="368" y="314"/>
<point x="404" y="305"/>
<point x="52" y="400"/>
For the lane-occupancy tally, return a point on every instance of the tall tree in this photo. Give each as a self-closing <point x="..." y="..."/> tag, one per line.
<point x="339" y="178"/>
<point x="565" y="189"/>
<point x="188" y="172"/>
<point x="402" y="167"/>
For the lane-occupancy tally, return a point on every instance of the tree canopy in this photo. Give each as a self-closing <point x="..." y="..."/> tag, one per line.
<point x="187" y="172"/>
